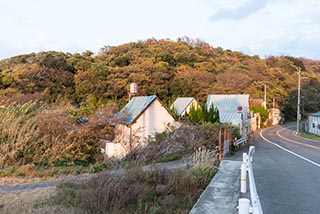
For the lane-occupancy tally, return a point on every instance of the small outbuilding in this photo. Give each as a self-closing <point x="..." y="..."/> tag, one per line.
<point x="141" y="119"/>
<point x="233" y="108"/>
<point x="182" y="105"/>
<point x="314" y="123"/>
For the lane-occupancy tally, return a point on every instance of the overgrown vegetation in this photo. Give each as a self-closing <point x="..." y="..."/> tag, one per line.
<point x="138" y="191"/>
<point x="264" y="113"/>
<point x="35" y="138"/>
<point x="177" y="144"/>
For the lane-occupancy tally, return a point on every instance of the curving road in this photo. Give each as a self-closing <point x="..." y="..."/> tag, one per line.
<point x="287" y="171"/>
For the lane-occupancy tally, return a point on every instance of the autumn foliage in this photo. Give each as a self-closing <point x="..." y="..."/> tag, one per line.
<point x="43" y="94"/>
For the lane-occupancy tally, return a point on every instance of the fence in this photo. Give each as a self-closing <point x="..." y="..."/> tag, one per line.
<point x="245" y="205"/>
<point x="242" y="141"/>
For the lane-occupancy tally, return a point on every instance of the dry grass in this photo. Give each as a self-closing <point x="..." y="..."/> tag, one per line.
<point x="182" y="142"/>
<point x="36" y="201"/>
<point x="138" y="191"/>
<point x="35" y="136"/>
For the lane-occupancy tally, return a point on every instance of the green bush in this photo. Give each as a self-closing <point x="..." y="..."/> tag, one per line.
<point x="169" y="158"/>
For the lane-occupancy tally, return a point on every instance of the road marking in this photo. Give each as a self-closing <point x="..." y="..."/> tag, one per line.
<point x="296" y="142"/>
<point x="289" y="151"/>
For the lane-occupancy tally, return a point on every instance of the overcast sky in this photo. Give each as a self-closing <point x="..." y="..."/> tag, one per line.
<point x="254" y="27"/>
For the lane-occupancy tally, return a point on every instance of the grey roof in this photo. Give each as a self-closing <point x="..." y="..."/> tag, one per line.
<point x="317" y="114"/>
<point x="227" y="105"/>
<point x="181" y="103"/>
<point x="233" y="118"/>
<point x="134" y="108"/>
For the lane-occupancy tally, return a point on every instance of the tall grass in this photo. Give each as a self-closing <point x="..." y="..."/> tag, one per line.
<point x="34" y="134"/>
<point x="155" y="191"/>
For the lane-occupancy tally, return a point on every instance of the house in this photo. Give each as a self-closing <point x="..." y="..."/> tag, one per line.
<point x="233" y="108"/>
<point x="182" y="105"/>
<point x="314" y="123"/>
<point x="141" y="119"/>
<point x="256" y="102"/>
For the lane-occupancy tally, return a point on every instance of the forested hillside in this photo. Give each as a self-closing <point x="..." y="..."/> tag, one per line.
<point x="43" y="95"/>
<point x="166" y="68"/>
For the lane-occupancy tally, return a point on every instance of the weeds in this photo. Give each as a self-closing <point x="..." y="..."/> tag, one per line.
<point x="34" y="136"/>
<point x="169" y="158"/>
<point x="154" y="191"/>
<point x="179" y="143"/>
<point x="310" y="136"/>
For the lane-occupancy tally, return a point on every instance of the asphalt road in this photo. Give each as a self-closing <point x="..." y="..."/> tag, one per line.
<point x="287" y="171"/>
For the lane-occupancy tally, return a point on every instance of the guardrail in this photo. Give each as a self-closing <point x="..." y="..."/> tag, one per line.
<point x="242" y="141"/>
<point x="245" y="205"/>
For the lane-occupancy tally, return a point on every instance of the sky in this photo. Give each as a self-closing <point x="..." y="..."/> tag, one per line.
<point x="254" y="27"/>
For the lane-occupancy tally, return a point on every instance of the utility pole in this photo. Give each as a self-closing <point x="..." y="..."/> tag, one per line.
<point x="298" y="103"/>
<point x="265" y="97"/>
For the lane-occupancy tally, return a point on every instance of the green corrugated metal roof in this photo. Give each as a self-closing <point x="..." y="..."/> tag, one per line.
<point x="227" y="105"/>
<point x="134" y="108"/>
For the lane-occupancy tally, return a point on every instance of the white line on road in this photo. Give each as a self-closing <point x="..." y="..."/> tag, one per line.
<point x="296" y="142"/>
<point x="289" y="151"/>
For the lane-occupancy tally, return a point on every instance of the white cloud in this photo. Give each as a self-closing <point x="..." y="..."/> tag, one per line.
<point x="241" y="11"/>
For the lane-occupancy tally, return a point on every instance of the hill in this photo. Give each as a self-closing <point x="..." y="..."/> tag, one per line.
<point x="43" y="95"/>
<point x="166" y="68"/>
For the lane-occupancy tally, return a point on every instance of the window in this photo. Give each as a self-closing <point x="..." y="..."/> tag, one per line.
<point x="313" y="125"/>
<point x="318" y="126"/>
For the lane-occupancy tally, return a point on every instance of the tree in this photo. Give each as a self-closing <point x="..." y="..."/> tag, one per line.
<point x="202" y="114"/>
<point x="264" y="113"/>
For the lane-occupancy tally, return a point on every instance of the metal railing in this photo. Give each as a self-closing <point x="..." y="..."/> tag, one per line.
<point x="241" y="141"/>
<point x="245" y="205"/>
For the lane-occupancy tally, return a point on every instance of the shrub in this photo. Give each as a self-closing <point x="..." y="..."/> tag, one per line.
<point x="169" y="158"/>
<point x="183" y="141"/>
<point x="36" y="134"/>
<point x="154" y="191"/>
<point x="68" y="194"/>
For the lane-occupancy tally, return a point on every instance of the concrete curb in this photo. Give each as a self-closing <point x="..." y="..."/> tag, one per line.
<point x="223" y="192"/>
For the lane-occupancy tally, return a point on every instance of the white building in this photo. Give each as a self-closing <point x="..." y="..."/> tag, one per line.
<point x="233" y="108"/>
<point x="314" y="123"/>
<point x="182" y="105"/>
<point x="140" y="120"/>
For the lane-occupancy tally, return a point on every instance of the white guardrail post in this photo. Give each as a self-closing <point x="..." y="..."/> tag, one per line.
<point x="245" y="205"/>
<point x="243" y="180"/>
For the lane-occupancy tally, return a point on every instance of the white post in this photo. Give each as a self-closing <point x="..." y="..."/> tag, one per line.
<point x="243" y="182"/>
<point x="244" y="158"/>
<point x="244" y="206"/>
